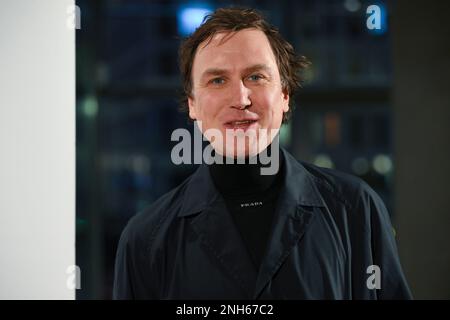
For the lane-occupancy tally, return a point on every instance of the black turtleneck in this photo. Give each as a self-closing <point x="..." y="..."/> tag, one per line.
<point x="251" y="199"/>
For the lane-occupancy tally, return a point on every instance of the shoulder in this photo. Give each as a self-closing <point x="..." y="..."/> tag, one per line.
<point x="343" y="187"/>
<point x="351" y="202"/>
<point x="142" y="229"/>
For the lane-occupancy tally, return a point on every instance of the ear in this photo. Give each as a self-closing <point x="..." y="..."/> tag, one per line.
<point x="285" y="98"/>
<point x="191" y="105"/>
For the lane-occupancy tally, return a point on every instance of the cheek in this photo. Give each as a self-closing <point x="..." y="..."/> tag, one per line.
<point x="208" y="106"/>
<point x="272" y="106"/>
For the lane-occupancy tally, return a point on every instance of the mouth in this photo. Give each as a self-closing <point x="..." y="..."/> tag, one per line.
<point x="240" y="124"/>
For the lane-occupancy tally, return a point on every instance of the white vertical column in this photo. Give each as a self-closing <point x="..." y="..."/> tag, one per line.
<point x="37" y="149"/>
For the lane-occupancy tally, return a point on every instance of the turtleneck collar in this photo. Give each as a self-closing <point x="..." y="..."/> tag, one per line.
<point x="243" y="179"/>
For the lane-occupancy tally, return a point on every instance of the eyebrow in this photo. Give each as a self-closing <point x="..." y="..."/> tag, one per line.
<point x="219" y="72"/>
<point x="258" y="67"/>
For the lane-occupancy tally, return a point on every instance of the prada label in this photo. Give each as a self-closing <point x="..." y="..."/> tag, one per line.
<point x="251" y="204"/>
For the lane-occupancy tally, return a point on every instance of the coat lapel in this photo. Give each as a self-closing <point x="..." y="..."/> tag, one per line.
<point x="287" y="231"/>
<point x="297" y="204"/>
<point x="216" y="230"/>
<point x="220" y="238"/>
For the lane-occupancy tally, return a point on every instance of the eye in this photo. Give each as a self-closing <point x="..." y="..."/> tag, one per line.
<point x="217" y="81"/>
<point x="255" y="77"/>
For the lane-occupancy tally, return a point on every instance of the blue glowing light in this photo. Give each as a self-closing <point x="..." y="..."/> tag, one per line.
<point x="190" y="19"/>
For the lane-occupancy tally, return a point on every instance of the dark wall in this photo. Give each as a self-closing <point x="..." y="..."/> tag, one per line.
<point x="421" y="97"/>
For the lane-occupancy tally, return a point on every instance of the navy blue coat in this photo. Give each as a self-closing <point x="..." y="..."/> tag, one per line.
<point x="329" y="228"/>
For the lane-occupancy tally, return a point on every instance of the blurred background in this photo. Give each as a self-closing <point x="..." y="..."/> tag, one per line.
<point x="376" y="104"/>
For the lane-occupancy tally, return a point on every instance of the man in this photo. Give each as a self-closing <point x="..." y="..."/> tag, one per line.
<point x="231" y="232"/>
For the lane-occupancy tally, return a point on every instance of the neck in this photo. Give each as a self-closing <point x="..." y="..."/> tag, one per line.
<point x="235" y="179"/>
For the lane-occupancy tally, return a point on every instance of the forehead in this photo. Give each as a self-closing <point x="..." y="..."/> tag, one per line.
<point x="234" y="50"/>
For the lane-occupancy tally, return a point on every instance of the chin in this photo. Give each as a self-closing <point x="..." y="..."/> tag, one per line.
<point x="242" y="149"/>
<point x="243" y="144"/>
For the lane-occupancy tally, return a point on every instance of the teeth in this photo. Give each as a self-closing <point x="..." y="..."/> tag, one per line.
<point x="242" y="122"/>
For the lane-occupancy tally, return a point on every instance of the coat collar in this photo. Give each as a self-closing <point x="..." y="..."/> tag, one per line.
<point x="298" y="188"/>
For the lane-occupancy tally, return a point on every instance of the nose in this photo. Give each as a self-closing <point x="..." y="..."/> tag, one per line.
<point x="240" y="96"/>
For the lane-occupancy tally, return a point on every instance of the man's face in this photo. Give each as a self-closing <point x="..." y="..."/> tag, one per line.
<point x="237" y="88"/>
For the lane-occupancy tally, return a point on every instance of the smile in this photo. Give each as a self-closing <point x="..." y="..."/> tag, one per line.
<point x="244" y="124"/>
